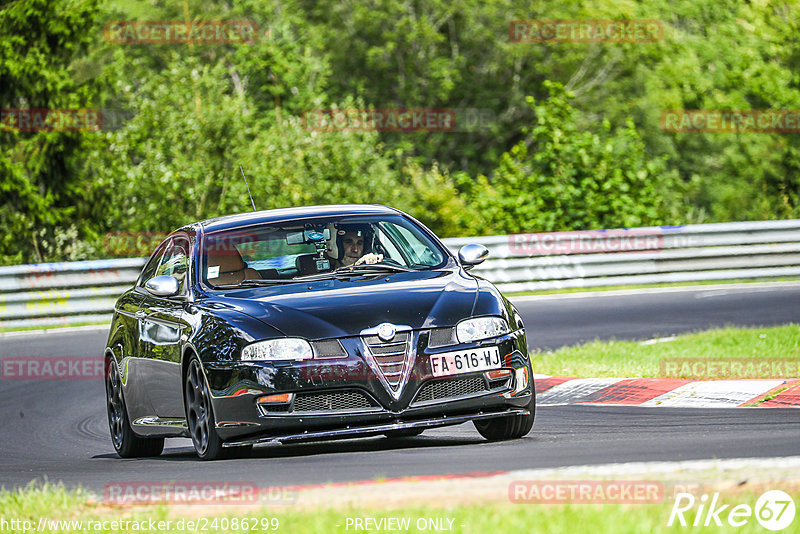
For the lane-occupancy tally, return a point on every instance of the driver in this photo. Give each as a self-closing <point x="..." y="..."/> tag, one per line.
<point x="351" y="242"/>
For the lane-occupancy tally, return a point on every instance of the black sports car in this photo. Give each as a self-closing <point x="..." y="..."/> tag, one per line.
<point x="311" y="323"/>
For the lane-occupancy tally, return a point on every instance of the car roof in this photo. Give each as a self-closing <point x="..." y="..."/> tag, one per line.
<point x="285" y="214"/>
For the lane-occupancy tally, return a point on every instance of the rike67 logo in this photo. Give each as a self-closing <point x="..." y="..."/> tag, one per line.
<point x="774" y="510"/>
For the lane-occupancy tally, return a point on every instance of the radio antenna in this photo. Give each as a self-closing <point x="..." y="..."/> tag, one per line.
<point x="248" y="188"/>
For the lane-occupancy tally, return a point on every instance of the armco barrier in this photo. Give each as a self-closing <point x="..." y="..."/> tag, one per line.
<point x="653" y="255"/>
<point x="65" y="293"/>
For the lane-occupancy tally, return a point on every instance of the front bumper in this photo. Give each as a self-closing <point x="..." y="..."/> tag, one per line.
<point x="240" y="419"/>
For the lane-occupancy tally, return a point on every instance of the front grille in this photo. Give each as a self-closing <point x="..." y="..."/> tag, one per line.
<point x="390" y="355"/>
<point x="444" y="389"/>
<point x="328" y="348"/>
<point x="442" y="337"/>
<point x="327" y="402"/>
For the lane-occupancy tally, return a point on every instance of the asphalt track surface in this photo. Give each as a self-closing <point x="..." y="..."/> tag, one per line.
<point x="58" y="429"/>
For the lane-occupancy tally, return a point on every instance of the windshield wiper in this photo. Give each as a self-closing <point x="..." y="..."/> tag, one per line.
<point x="314" y="277"/>
<point x="364" y="268"/>
<point x="258" y="282"/>
<point x="373" y="267"/>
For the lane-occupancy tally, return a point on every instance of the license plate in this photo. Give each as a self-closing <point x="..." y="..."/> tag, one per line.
<point x="465" y="361"/>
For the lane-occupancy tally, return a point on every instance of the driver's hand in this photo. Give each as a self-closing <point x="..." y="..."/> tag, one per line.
<point x="369" y="259"/>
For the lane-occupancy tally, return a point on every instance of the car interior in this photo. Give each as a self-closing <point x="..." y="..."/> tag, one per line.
<point x="232" y="268"/>
<point x="280" y="253"/>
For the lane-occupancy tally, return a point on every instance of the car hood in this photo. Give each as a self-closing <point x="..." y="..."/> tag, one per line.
<point x="345" y="307"/>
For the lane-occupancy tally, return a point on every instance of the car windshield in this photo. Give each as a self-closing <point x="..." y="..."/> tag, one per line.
<point x="312" y="248"/>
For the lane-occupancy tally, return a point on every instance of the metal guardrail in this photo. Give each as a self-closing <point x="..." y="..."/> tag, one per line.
<point x="653" y="255"/>
<point x="66" y="293"/>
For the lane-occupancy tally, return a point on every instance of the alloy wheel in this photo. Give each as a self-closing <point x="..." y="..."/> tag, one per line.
<point x="198" y="406"/>
<point x="114" y="404"/>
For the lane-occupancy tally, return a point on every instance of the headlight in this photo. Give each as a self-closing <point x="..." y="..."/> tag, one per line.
<point x="481" y="328"/>
<point x="288" y="348"/>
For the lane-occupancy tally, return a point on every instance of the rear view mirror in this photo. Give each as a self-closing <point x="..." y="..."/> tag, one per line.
<point x="472" y="255"/>
<point x="308" y="236"/>
<point x="163" y="286"/>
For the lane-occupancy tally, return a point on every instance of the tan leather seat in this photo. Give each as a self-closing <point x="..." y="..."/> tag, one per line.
<point x="232" y="268"/>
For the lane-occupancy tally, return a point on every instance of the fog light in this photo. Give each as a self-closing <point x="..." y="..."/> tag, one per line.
<point x="282" y="398"/>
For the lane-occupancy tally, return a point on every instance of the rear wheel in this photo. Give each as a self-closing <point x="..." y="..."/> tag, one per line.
<point x="126" y="442"/>
<point x="508" y="427"/>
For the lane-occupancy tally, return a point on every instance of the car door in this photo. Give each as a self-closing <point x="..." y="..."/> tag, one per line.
<point x="131" y="364"/>
<point x="162" y="331"/>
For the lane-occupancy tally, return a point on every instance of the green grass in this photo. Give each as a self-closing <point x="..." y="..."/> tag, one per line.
<point x="54" y="503"/>
<point x="602" y="359"/>
<point x="650" y="286"/>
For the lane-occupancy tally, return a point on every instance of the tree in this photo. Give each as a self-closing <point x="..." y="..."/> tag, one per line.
<point x="560" y="177"/>
<point x="40" y="190"/>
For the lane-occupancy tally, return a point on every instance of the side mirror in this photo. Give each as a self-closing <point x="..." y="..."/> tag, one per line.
<point x="163" y="286"/>
<point x="472" y="255"/>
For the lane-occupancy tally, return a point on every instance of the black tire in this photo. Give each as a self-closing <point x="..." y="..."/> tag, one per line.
<point x="405" y="433"/>
<point x="126" y="442"/>
<point x="513" y="427"/>
<point x="200" y="414"/>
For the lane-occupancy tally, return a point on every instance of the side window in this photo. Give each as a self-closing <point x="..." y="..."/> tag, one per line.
<point x="389" y="247"/>
<point x="418" y="251"/>
<point x="175" y="261"/>
<point x="150" y="269"/>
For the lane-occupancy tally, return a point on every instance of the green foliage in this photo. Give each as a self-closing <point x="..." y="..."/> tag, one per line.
<point x="39" y="184"/>
<point x="431" y="195"/>
<point x="292" y="165"/>
<point x="561" y="177"/>
<point x="170" y="164"/>
<point x="573" y="139"/>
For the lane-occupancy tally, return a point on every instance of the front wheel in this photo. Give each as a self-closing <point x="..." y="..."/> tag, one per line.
<point x="199" y="415"/>
<point x="126" y="442"/>
<point x="508" y="427"/>
<point x="200" y="418"/>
